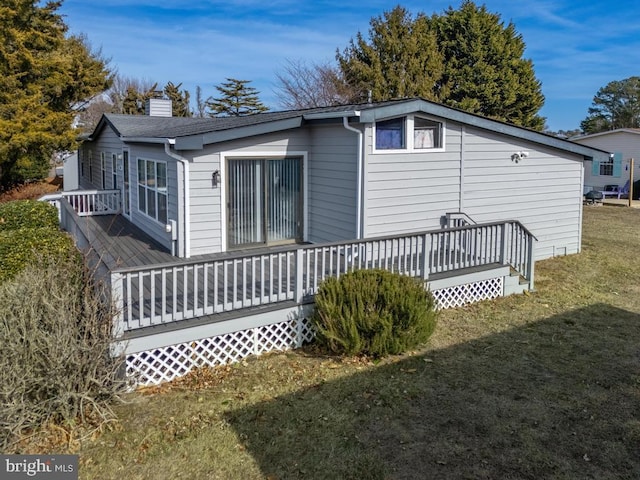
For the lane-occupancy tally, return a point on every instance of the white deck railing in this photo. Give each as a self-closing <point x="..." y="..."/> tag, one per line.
<point x="159" y="294"/>
<point x="88" y="202"/>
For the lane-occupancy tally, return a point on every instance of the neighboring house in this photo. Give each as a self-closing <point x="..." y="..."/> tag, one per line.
<point x="213" y="234"/>
<point x="200" y="186"/>
<point x="624" y="143"/>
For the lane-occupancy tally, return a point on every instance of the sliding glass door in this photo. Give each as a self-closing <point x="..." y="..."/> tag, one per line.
<point x="264" y="201"/>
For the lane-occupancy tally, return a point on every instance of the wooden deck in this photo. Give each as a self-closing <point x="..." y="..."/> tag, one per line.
<point x="151" y="287"/>
<point x="120" y="244"/>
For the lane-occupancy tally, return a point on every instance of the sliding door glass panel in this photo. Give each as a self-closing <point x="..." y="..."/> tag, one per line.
<point x="245" y="202"/>
<point x="283" y="196"/>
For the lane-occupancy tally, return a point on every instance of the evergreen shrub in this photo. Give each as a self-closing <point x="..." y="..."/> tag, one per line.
<point x="373" y="312"/>
<point x="28" y="214"/>
<point x="24" y="246"/>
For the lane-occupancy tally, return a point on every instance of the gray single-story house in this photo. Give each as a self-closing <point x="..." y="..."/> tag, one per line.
<point x="214" y="234"/>
<point x="208" y="185"/>
<point x="613" y="171"/>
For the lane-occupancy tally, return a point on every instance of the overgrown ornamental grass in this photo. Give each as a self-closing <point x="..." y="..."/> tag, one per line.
<point x="534" y="386"/>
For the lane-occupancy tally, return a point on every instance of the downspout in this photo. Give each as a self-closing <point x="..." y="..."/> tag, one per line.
<point x="345" y="123"/>
<point x="187" y="203"/>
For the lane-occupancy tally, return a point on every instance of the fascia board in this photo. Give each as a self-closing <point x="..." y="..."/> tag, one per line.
<point x="197" y="142"/>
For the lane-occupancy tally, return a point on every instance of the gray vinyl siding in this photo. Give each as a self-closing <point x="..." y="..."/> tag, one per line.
<point x="543" y="191"/>
<point x="332" y="184"/>
<point x="109" y="143"/>
<point x="206" y="202"/>
<point x="206" y="205"/>
<point x="410" y="191"/>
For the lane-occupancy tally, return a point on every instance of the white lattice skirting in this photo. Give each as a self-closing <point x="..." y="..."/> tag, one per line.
<point x="152" y="367"/>
<point x="460" y="295"/>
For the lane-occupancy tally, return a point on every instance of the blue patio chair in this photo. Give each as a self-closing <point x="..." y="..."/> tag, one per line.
<point x="624" y="191"/>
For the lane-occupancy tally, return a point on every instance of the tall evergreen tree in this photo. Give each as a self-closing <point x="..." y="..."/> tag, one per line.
<point x="465" y="58"/>
<point x="201" y="106"/>
<point x="134" y="99"/>
<point x="616" y="105"/>
<point x="237" y="99"/>
<point x="400" y="59"/>
<point x="179" y="100"/>
<point x="484" y="71"/>
<point x="44" y="74"/>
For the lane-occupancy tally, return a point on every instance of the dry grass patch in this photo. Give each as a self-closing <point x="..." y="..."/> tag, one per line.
<point x="534" y="386"/>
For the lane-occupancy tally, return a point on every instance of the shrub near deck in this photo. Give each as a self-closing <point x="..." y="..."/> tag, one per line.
<point x="29" y="233"/>
<point x="373" y="312"/>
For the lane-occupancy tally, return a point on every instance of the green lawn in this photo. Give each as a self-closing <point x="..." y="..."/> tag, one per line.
<point x="539" y="386"/>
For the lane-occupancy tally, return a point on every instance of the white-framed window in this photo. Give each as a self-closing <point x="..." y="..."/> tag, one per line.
<point x="391" y="134"/>
<point x="611" y="167"/>
<point x="152" y="189"/>
<point x="426" y="133"/>
<point x="409" y="133"/>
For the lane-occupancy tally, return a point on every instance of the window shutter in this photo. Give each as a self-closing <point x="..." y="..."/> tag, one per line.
<point x="617" y="164"/>
<point x="595" y="170"/>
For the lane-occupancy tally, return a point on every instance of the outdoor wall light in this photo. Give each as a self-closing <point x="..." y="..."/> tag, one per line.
<point x="519" y="156"/>
<point x="215" y="178"/>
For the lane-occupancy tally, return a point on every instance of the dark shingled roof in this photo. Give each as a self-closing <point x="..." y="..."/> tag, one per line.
<point x="154" y="129"/>
<point x="172" y="127"/>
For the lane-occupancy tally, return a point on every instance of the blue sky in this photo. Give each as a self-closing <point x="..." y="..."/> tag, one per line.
<point x="577" y="47"/>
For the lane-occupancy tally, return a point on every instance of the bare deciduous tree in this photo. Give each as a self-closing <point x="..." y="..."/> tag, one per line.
<point x="302" y="85"/>
<point x="122" y="85"/>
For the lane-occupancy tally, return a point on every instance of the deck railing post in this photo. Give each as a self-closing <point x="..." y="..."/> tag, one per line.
<point x="426" y="255"/>
<point x="117" y="299"/>
<point x="503" y="244"/>
<point x="299" y="287"/>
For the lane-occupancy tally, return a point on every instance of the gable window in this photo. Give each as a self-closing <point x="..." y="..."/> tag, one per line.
<point x="426" y="133"/>
<point x="152" y="189"/>
<point x="409" y="133"/>
<point x="390" y="134"/>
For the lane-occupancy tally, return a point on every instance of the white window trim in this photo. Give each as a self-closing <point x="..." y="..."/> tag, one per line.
<point x="409" y="137"/>
<point x="114" y="170"/>
<point x="137" y="178"/>
<point x="224" y="156"/>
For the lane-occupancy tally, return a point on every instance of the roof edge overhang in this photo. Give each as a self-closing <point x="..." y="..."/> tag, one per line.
<point x="330" y="115"/>
<point x="160" y="140"/>
<point x="197" y="142"/>
<point x="608" y="132"/>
